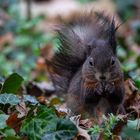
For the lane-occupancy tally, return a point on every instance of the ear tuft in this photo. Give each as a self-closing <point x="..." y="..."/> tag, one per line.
<point x="89" y="48"/>
<point x="112" y="35"/>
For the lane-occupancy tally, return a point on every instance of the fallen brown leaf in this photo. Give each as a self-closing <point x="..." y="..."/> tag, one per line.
<point x="42" y="100"/>
<point x="62" y="110"/>
<point x="14" y="122"/>
<point x="132" y="98"/>
<point x="81" y="132"/>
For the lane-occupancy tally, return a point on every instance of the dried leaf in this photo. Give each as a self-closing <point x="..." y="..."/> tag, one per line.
<point x="88" y="123"/>
<point x="62" y="110"/>
<point x="14" y="122"/>
<point x="42" y="100"/>
<point x="81" y="132"/>
<point x="132" y="99"/>
<point x="22" y="109"/>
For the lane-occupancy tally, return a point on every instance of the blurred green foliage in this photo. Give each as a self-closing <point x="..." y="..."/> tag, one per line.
<point x="21" y="54"/>
<point x="106" y="128"/>
<point x="126" y="8"/>
<point x="9" y="8"/>
<point x="85" y="1"/>
<point x="130" y="63"/>
<point x="131" y="131"/>
<point x="128" y="11"/>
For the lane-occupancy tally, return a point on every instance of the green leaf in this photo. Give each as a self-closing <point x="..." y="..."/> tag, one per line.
<point x="121" y="53"/>
<point x="10" y="134"/>
<point x="12" y="83"/>
<point x="138" y="61"/>
<point x="85" y="1"/>
<point x="3" y="119"/>
<point x="32" y="23"/>
<point x="31" y="99"/>
<point x="132" y="130"/>
<point x="63" y="129"/>
<point x="137" y="82"/>
<point x="47" y="125"/>
<point x="34" y="126"/>
<point x="129" y="66"/>
<point x="95" y="129"/>
<point x="13" y="138"/>
<point x="9" y="99"/>
<point x="23" y="40"/>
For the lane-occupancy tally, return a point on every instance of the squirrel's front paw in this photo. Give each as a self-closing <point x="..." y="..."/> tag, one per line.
<point x="109" y="88"/>
<point x="98" y="89"/>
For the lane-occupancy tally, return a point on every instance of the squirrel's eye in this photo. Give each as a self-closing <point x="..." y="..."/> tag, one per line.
<point x="112" y="61"/>
<point x="91" y="62"/>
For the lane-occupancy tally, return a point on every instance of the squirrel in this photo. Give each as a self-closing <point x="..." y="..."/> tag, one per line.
<point x="86" y="66"/>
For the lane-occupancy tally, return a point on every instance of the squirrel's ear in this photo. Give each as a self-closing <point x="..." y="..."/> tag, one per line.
<point x="89" y="48"/>
<point x="112" y="35"/>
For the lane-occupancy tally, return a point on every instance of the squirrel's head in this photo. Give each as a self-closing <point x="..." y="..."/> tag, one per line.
<point x="102" y="63"/>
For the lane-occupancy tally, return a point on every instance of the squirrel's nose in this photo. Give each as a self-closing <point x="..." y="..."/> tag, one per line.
<point x="102" y="77"/>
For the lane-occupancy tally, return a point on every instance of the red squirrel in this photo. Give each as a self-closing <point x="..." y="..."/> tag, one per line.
<point x="86" y="66"/>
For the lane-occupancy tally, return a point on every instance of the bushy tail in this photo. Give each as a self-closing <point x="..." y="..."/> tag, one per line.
<point x="70" y="54"/>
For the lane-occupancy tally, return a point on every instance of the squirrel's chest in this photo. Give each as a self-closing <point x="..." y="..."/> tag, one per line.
<point x="89" y="84"/>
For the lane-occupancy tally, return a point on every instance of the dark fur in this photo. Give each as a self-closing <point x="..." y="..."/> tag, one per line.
<point x="88" y="36"/>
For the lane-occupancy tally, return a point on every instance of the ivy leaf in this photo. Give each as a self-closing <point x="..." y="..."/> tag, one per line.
<point x="27" y="26"/>
<point x="23" y="40"/>
<point x="137" y="82"/>
<point x="9" y="99"/>
<point x="3" y="119"/>
<point x="132" y="130"/>
<point x="63" y="129"/>
<point x="47" y="125"/>
<point x="129" y="66"/>
<point x="12" y="83"/>
<point x="9" y="134"/>
<point x="34" y="126"/>
<point x="31" y="99"/>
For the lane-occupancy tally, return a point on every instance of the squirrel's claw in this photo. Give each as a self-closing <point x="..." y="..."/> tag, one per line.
<point x="109" y="88"/>
<point x="98" y="89"/>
